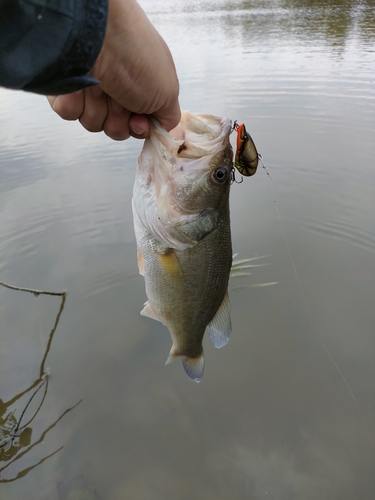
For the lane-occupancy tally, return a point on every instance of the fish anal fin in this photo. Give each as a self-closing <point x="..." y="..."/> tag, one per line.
<point x="171" y="265"/>
<point x="220" y="327"/>
<point x="141" y="267"/>
<point x="148" y="312"/>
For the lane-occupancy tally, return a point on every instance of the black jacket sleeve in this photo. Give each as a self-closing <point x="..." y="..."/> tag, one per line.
<point x="49" y="46"/>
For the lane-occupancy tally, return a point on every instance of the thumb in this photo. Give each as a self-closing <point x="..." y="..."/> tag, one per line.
<point x="169" y="117"/>
<point x="139" y="126"/>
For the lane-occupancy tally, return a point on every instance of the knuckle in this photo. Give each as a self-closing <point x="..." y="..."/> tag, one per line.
<point x="117" y="128"/>
<point x="116" y="136"/>
<point x="91" y="126"/>
<point x="68" y="107"/>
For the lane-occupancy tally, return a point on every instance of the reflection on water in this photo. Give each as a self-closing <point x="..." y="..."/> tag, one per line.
<point x="16" y="433"/>
<point x="306" y="21"/>
<point x="273" y="419"/>
<point x="312" y="21"/>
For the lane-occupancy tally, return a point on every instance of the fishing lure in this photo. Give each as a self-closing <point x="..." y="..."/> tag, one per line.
<point x="246" y="158"/>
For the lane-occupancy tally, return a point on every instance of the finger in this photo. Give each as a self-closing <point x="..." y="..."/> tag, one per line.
<point x="169" y="117"/>
<point x="139" y="126"/>
<point x="116" y="125"/>
<point x="68" y="106"/>
<point x="96" y="109"/>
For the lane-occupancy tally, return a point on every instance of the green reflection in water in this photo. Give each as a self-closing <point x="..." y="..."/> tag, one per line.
<point x="306" y="21"/>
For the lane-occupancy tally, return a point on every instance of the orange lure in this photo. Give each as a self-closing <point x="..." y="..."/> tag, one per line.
<point x="246" y="158"/>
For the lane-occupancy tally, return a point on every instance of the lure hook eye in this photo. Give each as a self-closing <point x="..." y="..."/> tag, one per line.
<point x="234" y="126"/>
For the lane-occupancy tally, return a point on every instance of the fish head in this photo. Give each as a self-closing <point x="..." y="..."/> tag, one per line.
<point x="183" y="179"/>
<point x="200" y="182"/>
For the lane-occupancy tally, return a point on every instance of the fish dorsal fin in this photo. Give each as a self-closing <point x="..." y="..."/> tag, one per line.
<point x="148" y="312"/>
<point x="220" y="327"/>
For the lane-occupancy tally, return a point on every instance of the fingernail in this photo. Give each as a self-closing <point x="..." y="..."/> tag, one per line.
<point x="116" y="107"/>
<point x="96" y="91"/>
<point x="137" y="130"/>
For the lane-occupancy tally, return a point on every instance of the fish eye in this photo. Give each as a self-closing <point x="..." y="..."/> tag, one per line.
<point x="220" y="175"/>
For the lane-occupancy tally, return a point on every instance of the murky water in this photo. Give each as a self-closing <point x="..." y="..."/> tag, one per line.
<point x="287" y="409"/>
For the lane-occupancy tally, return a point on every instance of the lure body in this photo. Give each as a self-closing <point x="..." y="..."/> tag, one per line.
<point x="246" y="158"/>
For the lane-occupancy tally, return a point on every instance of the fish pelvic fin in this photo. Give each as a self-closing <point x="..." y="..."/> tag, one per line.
<point x="220" y="327"/>
<point x="141" y="267"/>
<point x="171" y="265"/>
<point x="193" y="367"/>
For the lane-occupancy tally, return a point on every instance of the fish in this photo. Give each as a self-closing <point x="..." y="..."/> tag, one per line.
<point x="182" y="226"/>
<point x="246" y="157"/>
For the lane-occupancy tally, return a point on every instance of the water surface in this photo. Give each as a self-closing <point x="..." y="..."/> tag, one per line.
<point x="286" y="410"/>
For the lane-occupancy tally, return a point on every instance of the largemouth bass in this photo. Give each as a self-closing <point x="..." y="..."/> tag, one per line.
<point x="182" y="227"/>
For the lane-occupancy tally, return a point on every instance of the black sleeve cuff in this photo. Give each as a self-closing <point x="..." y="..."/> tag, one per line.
<point x="49" y="46"/>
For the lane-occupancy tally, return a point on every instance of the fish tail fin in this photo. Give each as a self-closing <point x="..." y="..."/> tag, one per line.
<point x="193" y="367"/>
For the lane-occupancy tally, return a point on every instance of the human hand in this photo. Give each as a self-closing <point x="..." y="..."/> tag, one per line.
<point x="137" y="78"/>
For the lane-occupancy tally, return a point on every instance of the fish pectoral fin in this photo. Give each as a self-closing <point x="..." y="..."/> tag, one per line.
<point x="148" y="312"/>
<point x="171" y="265"/>
<point x="141" y="267"/>
<point x="193" y="367"/>
<point x="220" y="327"/>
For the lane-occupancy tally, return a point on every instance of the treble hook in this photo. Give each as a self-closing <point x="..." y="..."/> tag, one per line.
<point x="234" y="177"/>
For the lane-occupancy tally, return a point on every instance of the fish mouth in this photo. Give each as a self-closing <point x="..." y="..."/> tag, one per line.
<point x="195" y="136"/>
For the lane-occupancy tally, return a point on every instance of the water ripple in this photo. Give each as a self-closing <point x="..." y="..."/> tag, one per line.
<point x="345" y="231"/>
